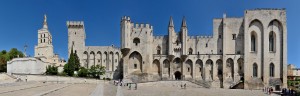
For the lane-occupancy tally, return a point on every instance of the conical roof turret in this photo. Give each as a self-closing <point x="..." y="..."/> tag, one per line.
<point x="171" y="22"/>
<point x="183" y="24"/>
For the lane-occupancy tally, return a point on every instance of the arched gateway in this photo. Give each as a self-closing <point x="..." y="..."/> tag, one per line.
<point x="177" y="75"/>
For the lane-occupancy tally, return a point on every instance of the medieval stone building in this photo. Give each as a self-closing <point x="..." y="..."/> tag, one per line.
<point x="251" y="49"/>
<point x="107" y="56"/>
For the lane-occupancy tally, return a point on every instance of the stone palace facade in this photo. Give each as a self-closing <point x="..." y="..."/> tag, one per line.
<point x="251" y="49"/>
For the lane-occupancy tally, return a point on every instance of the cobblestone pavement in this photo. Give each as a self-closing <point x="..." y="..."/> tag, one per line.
<point x="102" y="88"/>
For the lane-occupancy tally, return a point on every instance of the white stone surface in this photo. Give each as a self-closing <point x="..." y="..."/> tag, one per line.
<point x="27" y="65"/>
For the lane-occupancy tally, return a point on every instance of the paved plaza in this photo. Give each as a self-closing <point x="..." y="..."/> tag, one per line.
<point x="107" y="88"/>
<point x="38" y="85"/>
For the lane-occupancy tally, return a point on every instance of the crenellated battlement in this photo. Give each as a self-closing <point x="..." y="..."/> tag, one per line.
<point x="158" y="37"/>
<point x="268" y="9"/>
<point x="200" y="37"/>
<point x="141" y="26"/>
<point x="127" y="18"/>
<point x="75" y="24"/>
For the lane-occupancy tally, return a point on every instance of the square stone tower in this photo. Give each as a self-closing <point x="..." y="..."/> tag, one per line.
<point x="76" y="38"/>
<point x="44" y="47"/>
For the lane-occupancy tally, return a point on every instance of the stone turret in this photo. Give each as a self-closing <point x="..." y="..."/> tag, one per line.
<point x="172" y="33"/>
<point x="125" y="32"/>
<point x="183" y="31"/>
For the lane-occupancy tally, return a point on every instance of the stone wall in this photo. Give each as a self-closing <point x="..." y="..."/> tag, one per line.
<point x="224" y="58"/>
<point x="26" y="66"/>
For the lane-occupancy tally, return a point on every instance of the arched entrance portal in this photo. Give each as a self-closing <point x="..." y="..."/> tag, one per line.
<point x="177" y="75"/>
<point x="135" y="61"/>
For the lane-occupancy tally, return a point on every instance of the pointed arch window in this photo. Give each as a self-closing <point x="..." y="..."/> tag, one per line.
<point x="253" y="42"/>
<point x="254" y="70"/>
<point x="272" y="41"/>
<point x="158" y="48"/>
<point x="190" y="51"/>
<point x="272" y="70"/>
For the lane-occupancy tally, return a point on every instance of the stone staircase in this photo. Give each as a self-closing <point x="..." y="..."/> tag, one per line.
<point x="239" y="85"/>
<point x="275" y="81"/>
<point x="205" y="84"/>
<point x="11" y="76"/>
<point x="255" y="83"/>
<point x="5" y="78"/>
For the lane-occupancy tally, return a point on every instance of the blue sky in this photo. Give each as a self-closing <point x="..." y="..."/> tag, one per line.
<point x="19" y="21"/>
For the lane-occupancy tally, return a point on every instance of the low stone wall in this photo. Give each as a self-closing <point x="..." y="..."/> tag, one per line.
<point x="27" y="65"/>
<point x="55" y="79"/>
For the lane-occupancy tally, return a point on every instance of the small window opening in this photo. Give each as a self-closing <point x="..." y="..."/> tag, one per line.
<point x="158" y="48"/>
<point x="136" y="41"/>
<point x="233" y="36"/>
<point x="135" y="66"/>
<point x="190" y="51"/>
<point x="238" y="52"/>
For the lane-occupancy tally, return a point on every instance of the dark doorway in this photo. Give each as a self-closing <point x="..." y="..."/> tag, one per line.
<point x="177" y="75"/>
<point x="242" y="79"/>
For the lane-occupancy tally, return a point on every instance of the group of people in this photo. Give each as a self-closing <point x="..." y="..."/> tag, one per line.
<point x="268" y="90"/>
<point x="284" y="91"/>
<point x="130" y="84"/>
<point x="120" y="83"/>
<point x="116" y="83"/>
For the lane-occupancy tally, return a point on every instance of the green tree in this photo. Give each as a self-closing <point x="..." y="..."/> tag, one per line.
<point x="96" y="71"/>
<point x="66" y="69"/>
<point x="83" y="72"/>
<point x="51" y="70"/>
<point x="69" y="68"/>
<point x="2" y="63"/>
<point x="7" y="56"/>
<point x="77" y="62"/>
<point x="14" y="53"/>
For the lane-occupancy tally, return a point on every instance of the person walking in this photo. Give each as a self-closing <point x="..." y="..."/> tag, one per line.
<point x="129" y="86"/>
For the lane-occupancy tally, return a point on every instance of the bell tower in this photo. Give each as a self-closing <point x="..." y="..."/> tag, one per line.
<point x="44" y="48"/>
